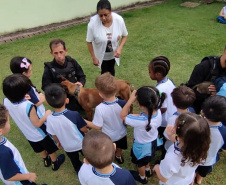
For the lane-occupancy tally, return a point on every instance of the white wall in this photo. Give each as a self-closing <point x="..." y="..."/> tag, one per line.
<point x="22" y="14"/>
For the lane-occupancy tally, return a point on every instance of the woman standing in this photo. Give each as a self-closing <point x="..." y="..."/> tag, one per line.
<point x="105" y="31"/>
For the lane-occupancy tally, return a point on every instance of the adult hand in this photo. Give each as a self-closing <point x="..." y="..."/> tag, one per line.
<point x="212" y="90"/>
<point x="118" y="53"/>
<point x="79" y="84"/>
<point x="32" y="177"/>
<point x="95" y="61"/>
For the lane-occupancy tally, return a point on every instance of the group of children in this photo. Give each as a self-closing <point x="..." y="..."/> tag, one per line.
<point x="189" y="143"/>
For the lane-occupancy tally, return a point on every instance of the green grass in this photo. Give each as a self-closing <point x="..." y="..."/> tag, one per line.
<point x="185" y="35"/>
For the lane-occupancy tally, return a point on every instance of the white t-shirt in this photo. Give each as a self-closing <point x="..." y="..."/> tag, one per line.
<point x="167" y="86"/>
<point x="171" y="169"/>
<point x="65" y="125"/>
<point x="107" y="116"/>
<point x="97" y="34"/>
<point x="20" y="112"/>
<point x="140" y="122"/>
<point x="11" y="162"/>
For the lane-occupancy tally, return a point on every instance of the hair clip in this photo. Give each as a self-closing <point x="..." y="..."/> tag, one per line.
<point x="160" y="93"/>
<point x="24" y="64"/>
<point x="182" y="122"/>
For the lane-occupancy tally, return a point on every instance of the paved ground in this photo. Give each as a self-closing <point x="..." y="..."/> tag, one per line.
<point x="56" y="26"/>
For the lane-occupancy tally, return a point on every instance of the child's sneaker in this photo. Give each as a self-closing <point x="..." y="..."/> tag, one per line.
<point x="148" y="173"/>
<point x="47" y="161"/>
<point x="137" y="177"/>
<point x="60" y="160"/>
<point x="120" y="159"/>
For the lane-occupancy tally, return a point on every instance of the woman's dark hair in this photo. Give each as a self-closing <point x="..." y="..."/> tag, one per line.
<point x="195" y="133"/>
<point x="16" y="86"/>
<point x="214" y="108"/>
<point x="160" y="64"/>
<point x="150" y="98"/>
<point x="103" y="4"/>
<point x="19" y="64"/>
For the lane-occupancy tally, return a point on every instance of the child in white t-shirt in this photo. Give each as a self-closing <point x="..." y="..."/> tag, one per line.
<point x="145" y="128"/>
<point x="182" y="159"/>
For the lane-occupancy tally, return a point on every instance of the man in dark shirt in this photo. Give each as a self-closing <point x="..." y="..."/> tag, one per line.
<point x="209" y="69"/>
<point x="65" y="66"/>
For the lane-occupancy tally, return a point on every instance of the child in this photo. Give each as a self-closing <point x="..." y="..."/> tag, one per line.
<point x="67" y="127"/>
<point x="107" y="114"/>
<point x="11" y="172"/>
<point x="182" y="159"/>
<point x="158" y="70"/>
<point x="23" y="66"/>
<point x="183" y="98"/>
<point x="145" y="128"/>
<point x="222" y="16"/>
<point x="214" y="110"/>
<point x="24" y="114"/>
<point x="99" y="153"/>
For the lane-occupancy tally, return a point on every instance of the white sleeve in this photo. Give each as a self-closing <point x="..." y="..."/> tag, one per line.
<point x="89" y="36"/>
<point x="132" y="120"/>
<point x="49" y="128"/>
<point x="98" y="118"/>
<point x="124" y="30"/>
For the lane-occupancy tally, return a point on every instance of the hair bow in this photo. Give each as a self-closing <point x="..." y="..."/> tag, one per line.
<point x="24" y="63"/>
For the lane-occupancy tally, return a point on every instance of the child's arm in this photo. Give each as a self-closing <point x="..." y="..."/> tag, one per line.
<point x="91" y="125"/>
<point x="157" y="171"/>
<point x="84" y="129"/>
<point x="34" y="117"/>
<point x="21" y="177"/>
<point x="57" y="141"/>
<point x="163" y="110"/>
<point x="221" y="13"/>
<point x="42" y="99"/>
<point x="170" y="131"/>
<point x="126" y="108"/>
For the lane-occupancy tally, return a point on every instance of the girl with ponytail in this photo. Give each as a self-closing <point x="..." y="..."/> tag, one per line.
<point x="145" y="128"/>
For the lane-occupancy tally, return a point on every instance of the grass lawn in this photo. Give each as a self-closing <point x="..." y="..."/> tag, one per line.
<point x="185" y="35"/>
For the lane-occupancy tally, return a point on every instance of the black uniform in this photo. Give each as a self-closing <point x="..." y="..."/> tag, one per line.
<point x="71" y="70"/>
<point x="208" y="70"/>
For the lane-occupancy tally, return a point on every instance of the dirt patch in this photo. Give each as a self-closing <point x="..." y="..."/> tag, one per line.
<point x="57" y="26"/>
<point x="190" y="4"/>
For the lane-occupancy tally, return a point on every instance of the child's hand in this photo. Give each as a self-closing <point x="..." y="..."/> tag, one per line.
<point x="27" y="97"/>
<point x="170" y="130"/>
<point x="59" y="145"/>
<point x="133" y="96"/>
<point x="32" y="177"/>
<point x="41" y="97"/>
<point x="48" y="112"/>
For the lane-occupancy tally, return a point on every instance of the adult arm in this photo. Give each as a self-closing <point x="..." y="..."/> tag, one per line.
<point x="91" y="51"/>
<point x="119" y="50"/>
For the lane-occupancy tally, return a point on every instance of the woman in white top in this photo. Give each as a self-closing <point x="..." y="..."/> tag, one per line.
<point x="104" y="33"/>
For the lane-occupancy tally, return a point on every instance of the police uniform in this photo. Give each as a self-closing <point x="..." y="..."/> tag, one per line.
<point x="71" y="70"/>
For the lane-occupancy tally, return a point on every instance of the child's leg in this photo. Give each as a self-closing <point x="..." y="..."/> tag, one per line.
<point x="118" y="152"/>
<point x="74" y="157"/>
<point x="199" y="178"/>
<point x="43" y="154"/>
<point x="141" y="171"/>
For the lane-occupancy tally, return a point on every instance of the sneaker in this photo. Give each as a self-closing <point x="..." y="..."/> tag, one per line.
<point x="120" y="159"/>
<point x="47" y="161"/>
<point x="148" y="173"/>
<point x="60" y="160"/>
<point x="137" y="177"/>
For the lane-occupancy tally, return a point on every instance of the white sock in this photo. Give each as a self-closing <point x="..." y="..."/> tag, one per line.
<point x="147" y="169"/>
<point x="142" y="177"/>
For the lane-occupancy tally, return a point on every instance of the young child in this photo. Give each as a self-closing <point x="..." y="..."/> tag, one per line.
<point x="182" y="159"/>
<point x="98" y="167"/>
<point x="214" y="110"/>
<point x="145" y="128"/>
<point x="67" y="127"/>
<point x="11" y="172"/>
<point x="222" y="16"/>
<point x="23" y="66"/>
<point x="24" y="114"/>
<point x="183" y="98"/>
<point x="107" y="114"/>
<point x="158" y="70"/>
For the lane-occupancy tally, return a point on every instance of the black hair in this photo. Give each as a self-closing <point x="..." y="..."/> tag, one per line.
<point x="214" y="108"/>
<point x="19" y="64"/>
<point x="3" y="116"/>
<point x="160" y="64"/>
<point x="16" y="86"/>
<point x="55" y="42"/>
<point x="150" y="98"/>
<point x="55" y="95"/>
<point x="103" y="4"/>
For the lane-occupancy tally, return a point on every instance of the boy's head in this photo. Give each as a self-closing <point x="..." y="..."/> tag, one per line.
<point x="56" y="96"/>
<point x="105" y="84"/>
<point x="98" y="149"/>
<point x="159" y="67"/>
<point x="16" y="86"/>
<point x="183" y="97"/>
<point x="4" y="120"/>
<point x="214" y="108"/>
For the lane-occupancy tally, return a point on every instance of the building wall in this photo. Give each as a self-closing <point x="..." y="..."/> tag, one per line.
<point x="22" y="14"/>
